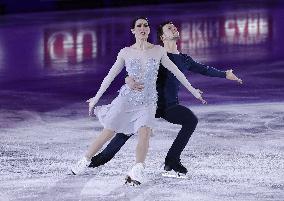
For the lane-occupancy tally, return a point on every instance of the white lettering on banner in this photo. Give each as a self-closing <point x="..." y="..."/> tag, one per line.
<point x="239" y="29"/>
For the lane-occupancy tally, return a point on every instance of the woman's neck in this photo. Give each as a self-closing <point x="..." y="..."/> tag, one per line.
<point x="141" y="44"/>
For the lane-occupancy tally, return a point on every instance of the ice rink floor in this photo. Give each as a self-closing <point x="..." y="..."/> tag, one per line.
<point x="51" y="63"/>
<point x="236" y="153"/>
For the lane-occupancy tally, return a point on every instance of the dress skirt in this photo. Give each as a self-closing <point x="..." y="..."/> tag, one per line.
<point x="122" y="116"/>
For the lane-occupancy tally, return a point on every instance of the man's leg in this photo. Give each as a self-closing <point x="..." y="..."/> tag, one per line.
<point x="183" y="116"/>
<point x="109" y="152"/>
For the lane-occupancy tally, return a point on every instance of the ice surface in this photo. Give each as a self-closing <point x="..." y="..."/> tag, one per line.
<point x="236" y="153"/>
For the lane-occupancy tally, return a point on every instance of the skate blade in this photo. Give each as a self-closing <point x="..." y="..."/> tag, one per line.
<point x="75" y="174"/>
<point x="71" y="172"/>
<point x="131" y="182"/>
<point x="78" y="174"/>
<point x="173" y="174"/>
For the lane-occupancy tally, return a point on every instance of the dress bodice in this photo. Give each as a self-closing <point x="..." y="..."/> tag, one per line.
<point x="143" y="67"/>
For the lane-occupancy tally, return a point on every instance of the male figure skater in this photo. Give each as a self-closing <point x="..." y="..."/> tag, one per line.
<point x="168" y="106"/>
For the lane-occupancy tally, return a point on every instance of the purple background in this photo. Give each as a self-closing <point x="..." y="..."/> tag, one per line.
<point x="51" y="59"/>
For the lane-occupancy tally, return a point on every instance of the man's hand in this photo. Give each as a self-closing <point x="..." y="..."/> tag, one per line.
<point x="231" y="76"/>
<point x="132" y="84"/>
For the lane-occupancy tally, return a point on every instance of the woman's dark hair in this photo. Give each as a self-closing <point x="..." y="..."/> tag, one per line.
<point x="160" y="31"/>
<point x="138" y="18"/>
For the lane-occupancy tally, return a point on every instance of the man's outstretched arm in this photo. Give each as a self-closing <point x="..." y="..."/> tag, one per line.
<point x="203" y="69"/>
<point x="210" y="71"/>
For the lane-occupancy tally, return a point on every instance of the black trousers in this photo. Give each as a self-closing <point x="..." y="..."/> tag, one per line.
<point x="176" y="114"/>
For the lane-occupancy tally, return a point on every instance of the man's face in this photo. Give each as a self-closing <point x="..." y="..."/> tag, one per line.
<point x="170" y="32"/>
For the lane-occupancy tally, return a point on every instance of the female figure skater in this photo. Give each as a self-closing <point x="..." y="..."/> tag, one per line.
<point x="133" y="111"/>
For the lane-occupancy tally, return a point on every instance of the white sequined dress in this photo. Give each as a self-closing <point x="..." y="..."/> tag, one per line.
<point x="132" y="109"/>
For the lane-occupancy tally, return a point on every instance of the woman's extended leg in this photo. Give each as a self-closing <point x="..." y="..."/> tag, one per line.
<point x="96" y="145"/>
<point x="98" y="142"/>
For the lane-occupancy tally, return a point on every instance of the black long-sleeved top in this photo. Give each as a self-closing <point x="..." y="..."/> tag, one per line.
<point x="168" y="85"/>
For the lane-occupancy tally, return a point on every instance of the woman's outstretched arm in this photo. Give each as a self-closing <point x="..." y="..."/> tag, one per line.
<point x="113" y="72"/>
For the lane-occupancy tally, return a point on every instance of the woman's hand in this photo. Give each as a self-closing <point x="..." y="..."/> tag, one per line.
<point x="200" y="98"/>
<point x="92" y="102"/>
<point x="231" y="76"/>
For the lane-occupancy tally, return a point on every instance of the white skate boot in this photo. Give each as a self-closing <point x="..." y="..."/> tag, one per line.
<point x="80" y="166"/>
<point x="136" y="175"/>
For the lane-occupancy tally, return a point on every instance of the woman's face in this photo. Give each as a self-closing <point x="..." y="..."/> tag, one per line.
<point x="141" y="29"/>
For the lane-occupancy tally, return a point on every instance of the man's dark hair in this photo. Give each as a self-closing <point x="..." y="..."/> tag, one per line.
<point x="138" y="18"/>
<point x="160" y="31"/>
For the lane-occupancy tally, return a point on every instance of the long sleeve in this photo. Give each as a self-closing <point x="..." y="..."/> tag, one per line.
<point x="167" y="63"/>
<point x="203" y="69"/>
<point x="113" y="72"/>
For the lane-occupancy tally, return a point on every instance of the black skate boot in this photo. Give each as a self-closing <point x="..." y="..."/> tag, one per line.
<point x="174" y="168"/>
<point x="96" y="161"/>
